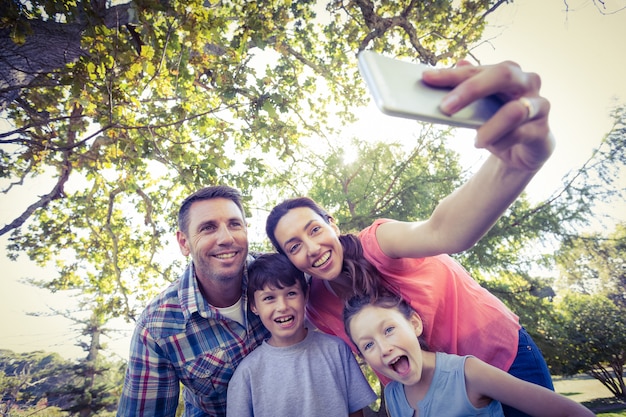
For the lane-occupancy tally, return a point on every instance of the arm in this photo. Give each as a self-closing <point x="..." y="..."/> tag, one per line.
<point x="519" y="140"/>
<point x="483" y="380"/>
<point x="151" y="386"/>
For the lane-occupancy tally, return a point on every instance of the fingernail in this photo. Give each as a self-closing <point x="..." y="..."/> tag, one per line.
<point x="449" y="103"/>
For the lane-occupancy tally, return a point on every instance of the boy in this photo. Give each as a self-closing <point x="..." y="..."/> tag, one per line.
<point x="296" y="372"/>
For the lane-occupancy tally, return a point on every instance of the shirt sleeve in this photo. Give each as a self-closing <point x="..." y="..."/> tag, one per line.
<point x="239" y="396"/>
<point x="151" y="387"/>
<point x="360" y="394"/>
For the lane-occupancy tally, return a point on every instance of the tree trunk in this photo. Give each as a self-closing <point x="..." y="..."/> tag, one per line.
<point x="49" y="47"/>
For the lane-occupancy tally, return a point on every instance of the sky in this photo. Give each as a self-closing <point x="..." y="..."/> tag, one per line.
<point x="580" y="56"/>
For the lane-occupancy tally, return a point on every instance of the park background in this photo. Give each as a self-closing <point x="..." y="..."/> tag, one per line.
<point x="575" y="46"/>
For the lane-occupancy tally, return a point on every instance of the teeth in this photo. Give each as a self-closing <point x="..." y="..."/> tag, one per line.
<point x="322" y="260"/>
<point x="226" y="255"/>
<point x="284" y="319"/>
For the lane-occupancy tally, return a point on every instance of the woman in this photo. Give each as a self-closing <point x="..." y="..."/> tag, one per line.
<point x="409" y="258"/>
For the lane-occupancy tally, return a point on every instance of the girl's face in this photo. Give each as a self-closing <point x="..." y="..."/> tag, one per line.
<point x="388" y="342"/>
<point x="310" y="243"/>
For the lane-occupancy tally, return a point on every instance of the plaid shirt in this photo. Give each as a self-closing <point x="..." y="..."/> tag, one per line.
<point x="180" y="338"/>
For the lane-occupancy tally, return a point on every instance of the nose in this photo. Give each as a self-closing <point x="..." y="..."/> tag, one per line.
<point x="280" y="303"/>
<point x="224" y="236"/>
<point x="312" y="247"/>
<point x="385" y="348"/>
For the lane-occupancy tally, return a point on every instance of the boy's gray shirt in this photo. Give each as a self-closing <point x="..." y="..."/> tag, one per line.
<point x="318" y="377"/>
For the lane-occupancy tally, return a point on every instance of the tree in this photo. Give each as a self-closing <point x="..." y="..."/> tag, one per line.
<point x="37" y="380"/>
<point x="135" y="105"/>
<point x="121" y="132"/>
<point x="384" y="179"/>
<point x="592" y="336"/>
<point x="594" y="263"/>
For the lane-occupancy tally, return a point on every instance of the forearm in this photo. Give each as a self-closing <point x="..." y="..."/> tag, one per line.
<point x="466" y="215"/>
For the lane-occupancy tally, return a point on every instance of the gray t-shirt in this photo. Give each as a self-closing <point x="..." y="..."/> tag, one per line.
<point x="318" y="377"/>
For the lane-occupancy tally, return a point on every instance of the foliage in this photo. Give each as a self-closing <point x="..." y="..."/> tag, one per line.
<point x="165" y="97"/>
<point x="593" y="263"/>
<point x="591" y="334"/>
<point x="39" y="380"/>
<point x="119" y="111"/>
<point x="384" y="179"/>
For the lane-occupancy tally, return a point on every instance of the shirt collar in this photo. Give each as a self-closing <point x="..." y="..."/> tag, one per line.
<point x="192" y="301"/>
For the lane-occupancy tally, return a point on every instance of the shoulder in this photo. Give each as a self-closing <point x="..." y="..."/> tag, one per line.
<point x="164" y="310"/>
<point x="250" y="361"/>
<point x="370" y="231"/>
<point x="447" y="362"/>
<point x="328" y="340"/>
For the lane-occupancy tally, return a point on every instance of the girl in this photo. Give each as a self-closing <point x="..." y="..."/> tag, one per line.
<point x="409" y="258"/>
<point x="386" y="330"/>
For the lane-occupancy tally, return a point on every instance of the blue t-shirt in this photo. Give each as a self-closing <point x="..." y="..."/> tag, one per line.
<point x="447" y="395"/>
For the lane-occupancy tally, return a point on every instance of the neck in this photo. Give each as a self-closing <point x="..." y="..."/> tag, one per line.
<point x="342" y="287"/>
<point x="220" y="294"/>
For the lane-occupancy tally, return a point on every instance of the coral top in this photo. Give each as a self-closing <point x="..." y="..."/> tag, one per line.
<point x="459" y="315"/>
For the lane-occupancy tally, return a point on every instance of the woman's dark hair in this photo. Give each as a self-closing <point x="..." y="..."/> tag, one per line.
<point x="273" y="270"/>
<point x="363" y="275"/>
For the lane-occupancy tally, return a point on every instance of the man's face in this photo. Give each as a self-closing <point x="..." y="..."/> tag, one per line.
<point x="217" y="240"/>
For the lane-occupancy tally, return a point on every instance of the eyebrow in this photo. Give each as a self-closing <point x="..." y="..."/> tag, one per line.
<point x="214" y="222"/>
<point x="306" y="226"/>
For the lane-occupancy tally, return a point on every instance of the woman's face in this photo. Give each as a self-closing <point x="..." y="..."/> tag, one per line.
<point x="310" y="243"/>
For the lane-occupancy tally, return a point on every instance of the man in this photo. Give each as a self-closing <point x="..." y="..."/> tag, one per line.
<point x="199" y="329"/>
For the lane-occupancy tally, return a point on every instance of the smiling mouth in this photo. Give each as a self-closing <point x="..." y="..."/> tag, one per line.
<point x="321" y="261"/>
<point x="283" y="320"/>
<point x="226" y="255"/>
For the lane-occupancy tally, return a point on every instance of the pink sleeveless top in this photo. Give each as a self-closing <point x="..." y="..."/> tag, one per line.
<point x="459" y="316"/>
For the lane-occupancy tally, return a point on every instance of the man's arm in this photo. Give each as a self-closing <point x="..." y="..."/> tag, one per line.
<point x="151" y="387"/>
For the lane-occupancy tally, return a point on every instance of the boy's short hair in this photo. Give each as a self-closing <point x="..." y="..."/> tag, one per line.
<point x="273" y="270"/>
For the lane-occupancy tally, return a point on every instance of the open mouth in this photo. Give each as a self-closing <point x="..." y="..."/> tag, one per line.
<point x="400" y="365"/>
<point x="284" y="320"/>
<point x="321" y="261"/>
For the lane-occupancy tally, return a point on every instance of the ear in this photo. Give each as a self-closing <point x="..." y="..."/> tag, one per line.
<point x="183" y="243"/>
<point x="416" y="322"/>
<point x="253" y="308"/>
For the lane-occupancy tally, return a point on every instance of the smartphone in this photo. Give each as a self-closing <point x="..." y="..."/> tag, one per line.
<point x="398" y="90"/>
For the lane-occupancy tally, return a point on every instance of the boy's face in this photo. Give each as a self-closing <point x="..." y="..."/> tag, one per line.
<point x="282" y="313"/>
<point x="388" y="342"/>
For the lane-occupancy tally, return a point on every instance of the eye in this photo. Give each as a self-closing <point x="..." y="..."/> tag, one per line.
<point x="293" y="293"/>
<point x="293" y="248"/>
<point x="236" y="224"/>
<point x="367" y="346"/>
<point x="389" y="329"/>
<point x="267" y="298"/>
<point x="315" y="229"/>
